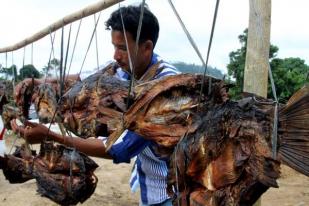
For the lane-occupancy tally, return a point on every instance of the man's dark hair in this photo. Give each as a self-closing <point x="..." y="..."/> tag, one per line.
<point x="131" y="16"/>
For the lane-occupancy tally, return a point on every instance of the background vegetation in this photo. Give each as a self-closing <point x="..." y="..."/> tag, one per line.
<point x="289" y="74"/>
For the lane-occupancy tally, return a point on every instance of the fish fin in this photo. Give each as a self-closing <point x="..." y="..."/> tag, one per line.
<point x="298" y="95"/>
<point x="293" y="131"/>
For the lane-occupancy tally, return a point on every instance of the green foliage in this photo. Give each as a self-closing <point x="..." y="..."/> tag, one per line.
<point x="52" y="66"/>
<point x="10" y="71"/>
<point x="289" y="74"/>
<point x="28" y="71"/>
<point x="197" y="69"/>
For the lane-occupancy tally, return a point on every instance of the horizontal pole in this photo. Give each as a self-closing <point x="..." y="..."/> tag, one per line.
<point x="87" y="11"/>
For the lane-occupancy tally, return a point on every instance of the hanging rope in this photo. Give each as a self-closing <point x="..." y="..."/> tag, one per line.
<point x="32" y="53"/>
<point x="131" y="66"/>
<point x="96" y="44"/>
<point x="14" y="75"/>
<point x="95" y="27"/>
<point x="52" y="39"/>
<point x="274" y="139"/>
<point x="6" y="60"/>
<point x="191" y="40"/>
<point x="61" y="63"/>
<point x="139" y="28"/>
<point x="6" y="66"/>
<point x="66" y="55"/>
<point x="23" y="62"/>
<point x="76" y="37"/>
<point x="209" y="47"/>
<point x="205" y="64"/>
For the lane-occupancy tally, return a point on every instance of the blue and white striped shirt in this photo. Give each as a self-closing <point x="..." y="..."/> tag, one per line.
<point x="150" y="169"/>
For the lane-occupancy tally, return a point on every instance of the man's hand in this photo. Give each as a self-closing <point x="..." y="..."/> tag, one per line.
<point x="31" y="132"/>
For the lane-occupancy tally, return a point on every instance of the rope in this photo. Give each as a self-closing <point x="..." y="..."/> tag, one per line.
<point x="274" y="139"/>
<point x="131" y="66"/>
<point x="176" y="175"/>
<point x="126" y="40"/>
<point x="6" y="66"/>
<point x="24" y="56"/>
<point x="195" y="46"/>
<point x="23" y="61"/>
<point x="32" y="53"/>
<point x="95" y="27"/>
<point x="66" y="55"/>
<point x="61" y="63"/>
<point x="96" y="43"/>
<point x="14" y="75"/>
<point x="76" y="37"/>
<point x="175" y="164"/>
<point x="139" y="28"/>
<point x="52" y="39"/>
<point x="191" y="40"/>
<point x="208" y="51"/>
<point x="6" y="60"/>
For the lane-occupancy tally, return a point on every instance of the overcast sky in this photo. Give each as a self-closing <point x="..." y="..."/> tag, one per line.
<point x="20" y="19"/>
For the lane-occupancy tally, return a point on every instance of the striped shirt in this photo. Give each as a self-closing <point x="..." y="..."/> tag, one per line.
<point x="150" y="170"/>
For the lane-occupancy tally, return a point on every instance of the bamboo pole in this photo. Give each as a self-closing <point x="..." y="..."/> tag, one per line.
<point x="87" y="11"/>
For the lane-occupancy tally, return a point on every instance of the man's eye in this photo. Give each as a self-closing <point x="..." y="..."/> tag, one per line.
<point x="122" y="48"/>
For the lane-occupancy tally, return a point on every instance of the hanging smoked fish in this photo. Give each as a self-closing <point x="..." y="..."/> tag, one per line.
<point x="166" y="109"/>
<point x="228" y="160"/>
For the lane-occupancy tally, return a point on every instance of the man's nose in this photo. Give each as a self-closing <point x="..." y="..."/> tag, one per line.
<point x="117" y="55"/>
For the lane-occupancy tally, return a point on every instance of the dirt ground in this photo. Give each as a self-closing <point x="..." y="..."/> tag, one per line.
<point x="113" y="189"/>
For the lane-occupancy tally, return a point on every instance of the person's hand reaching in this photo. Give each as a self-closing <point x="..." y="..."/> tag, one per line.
<point x="32" y="132"/>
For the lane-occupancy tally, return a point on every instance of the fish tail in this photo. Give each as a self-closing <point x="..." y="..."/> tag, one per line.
<point x="293" y="132"/>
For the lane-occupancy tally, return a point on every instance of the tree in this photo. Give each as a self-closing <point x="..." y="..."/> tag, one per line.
<point x="51" y="68"/>
<point x="289" y="74"/>
<point x="10" y="71"/>
<point x="28" y="71"/>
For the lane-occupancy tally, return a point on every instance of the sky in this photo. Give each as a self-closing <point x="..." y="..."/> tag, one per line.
<point x="20" y="19"/>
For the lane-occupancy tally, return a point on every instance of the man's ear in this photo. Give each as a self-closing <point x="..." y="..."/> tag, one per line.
<point x="148" y="45"/>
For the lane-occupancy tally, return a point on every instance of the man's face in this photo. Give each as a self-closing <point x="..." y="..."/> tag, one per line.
<point x="121" y="53"/>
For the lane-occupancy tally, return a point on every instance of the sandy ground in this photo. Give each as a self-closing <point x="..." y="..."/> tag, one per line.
<point x="113" y="189"/>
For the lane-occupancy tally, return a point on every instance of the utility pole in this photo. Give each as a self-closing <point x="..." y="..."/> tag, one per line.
<point x="258" y="44"/>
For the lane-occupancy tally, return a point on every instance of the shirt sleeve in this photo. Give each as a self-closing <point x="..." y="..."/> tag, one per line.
<point x="166" y="70"/>
<point x="130" y="145"/>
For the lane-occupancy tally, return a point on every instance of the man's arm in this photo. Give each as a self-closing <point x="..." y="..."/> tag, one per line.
<point x="36" y="133"/>
<point x="91" y="146"/>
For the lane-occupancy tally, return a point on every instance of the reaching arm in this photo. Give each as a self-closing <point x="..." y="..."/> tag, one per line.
<point x="36" y="133"/>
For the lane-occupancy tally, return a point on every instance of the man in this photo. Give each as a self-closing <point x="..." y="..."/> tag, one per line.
<point x="150" y="169"/>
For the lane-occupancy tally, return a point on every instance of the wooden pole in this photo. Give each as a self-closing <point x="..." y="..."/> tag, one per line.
<point x="257" y="57"/>
<point x="89" y="10"/>
<point x="258" y="44"/>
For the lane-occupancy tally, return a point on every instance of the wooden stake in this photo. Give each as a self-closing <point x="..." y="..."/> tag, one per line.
<point x="257" y="57"/>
